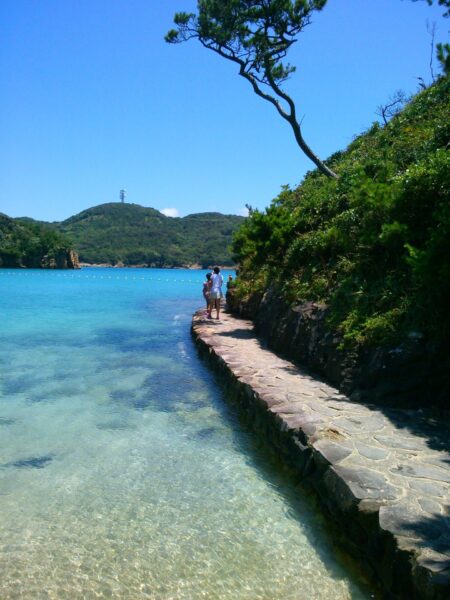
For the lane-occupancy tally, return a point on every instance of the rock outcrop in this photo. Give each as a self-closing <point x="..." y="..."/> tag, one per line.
<point x="63" y="259"/>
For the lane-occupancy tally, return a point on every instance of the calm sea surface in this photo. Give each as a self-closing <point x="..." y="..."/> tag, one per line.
<point x="123" y="473"/>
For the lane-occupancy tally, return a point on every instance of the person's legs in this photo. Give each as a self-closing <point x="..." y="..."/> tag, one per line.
<point x="218" y="307"/>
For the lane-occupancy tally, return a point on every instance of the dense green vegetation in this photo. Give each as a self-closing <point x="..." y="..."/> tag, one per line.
<point x="117" y="233"/>
<point x="374" y="245"/>
<point x="134" y="235"/>
<point x="28" y="244"/>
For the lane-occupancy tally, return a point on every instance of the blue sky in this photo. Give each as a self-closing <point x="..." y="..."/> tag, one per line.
<point x="93" y="100"/>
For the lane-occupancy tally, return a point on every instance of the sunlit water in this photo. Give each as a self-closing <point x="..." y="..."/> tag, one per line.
<point x="123" y="472"/>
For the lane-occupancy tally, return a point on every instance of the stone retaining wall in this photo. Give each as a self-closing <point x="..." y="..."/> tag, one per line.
<point x="412" y="374"/>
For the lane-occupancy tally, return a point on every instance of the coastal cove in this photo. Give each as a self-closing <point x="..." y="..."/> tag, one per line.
<point x="124" y="473"/>
<point x="224" y="300"/>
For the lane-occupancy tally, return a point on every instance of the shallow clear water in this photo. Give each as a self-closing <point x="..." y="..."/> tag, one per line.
<point x="123" y="473"/>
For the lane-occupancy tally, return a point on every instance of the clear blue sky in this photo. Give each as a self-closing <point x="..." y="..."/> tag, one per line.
<point x="92" y="100"/>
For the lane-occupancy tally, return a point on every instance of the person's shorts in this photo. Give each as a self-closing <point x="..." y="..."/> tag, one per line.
<point x="215" y="295"/>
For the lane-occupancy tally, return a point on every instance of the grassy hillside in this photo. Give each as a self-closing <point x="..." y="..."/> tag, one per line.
<point x="133" y="234"/>
<point x="373" y="245"/>
<point x="27" y="244"/>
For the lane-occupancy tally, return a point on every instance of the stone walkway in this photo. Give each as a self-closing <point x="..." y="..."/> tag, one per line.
<point x="392" y="465"/>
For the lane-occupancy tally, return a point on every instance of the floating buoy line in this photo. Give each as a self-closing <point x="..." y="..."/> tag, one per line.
<point x="83" y="276"/>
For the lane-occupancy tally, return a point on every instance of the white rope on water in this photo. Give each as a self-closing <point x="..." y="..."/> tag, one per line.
<point x="83" y="276"/>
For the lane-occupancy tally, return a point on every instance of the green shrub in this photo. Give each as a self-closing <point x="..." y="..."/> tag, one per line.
<point x="374" y="244"/>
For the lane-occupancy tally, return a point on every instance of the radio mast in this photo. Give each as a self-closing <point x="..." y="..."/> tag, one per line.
<point x="123" y="194"/>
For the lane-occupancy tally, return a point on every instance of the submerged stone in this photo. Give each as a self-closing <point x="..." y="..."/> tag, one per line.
<point x="37" y="462"/>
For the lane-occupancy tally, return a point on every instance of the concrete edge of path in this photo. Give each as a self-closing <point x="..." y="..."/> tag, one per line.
<point x="363" y="507"/>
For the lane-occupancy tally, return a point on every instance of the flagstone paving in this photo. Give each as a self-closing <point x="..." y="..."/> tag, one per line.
<point x="391" y="466"/>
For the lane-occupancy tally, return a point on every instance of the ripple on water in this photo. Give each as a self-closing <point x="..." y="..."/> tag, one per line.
<point x="124" y="475"/>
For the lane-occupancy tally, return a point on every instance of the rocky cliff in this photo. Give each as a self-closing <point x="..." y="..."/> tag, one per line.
<point x="62" y="259"/>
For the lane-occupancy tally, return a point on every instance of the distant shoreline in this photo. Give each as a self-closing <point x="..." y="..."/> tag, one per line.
<point x="109" y="266"/>
<point x="194" y="267"/>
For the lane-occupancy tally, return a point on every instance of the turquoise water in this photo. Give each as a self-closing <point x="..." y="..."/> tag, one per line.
<point x="123" y="473"/>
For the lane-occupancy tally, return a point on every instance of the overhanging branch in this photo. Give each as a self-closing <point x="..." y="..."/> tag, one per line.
<point x="256" y="35"/>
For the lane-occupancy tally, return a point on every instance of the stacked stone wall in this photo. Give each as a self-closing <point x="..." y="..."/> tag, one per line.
<point x="411" y="374"/>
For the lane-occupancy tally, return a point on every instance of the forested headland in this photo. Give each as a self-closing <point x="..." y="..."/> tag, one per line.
<point x="27" y="244"/>
<point x="131" y="235"/>
<point x="121" y="234"/>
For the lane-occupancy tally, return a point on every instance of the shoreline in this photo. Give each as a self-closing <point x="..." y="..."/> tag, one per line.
<point x="194" y="267"/>
<point x="108" y="266"/>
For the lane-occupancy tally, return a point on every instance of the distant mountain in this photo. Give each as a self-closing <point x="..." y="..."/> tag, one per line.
<point x="24" y="243"/>
<point x="131" y="234"/>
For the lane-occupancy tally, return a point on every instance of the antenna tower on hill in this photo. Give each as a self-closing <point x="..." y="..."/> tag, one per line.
<point x="123" y="194"/>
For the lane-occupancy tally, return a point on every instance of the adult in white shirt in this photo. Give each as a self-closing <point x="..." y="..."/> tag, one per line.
<point x="215" y="294"/>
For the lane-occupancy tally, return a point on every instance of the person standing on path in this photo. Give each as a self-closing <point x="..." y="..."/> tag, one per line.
<point x="207" y="290"/>
<point x="215" y="294"/>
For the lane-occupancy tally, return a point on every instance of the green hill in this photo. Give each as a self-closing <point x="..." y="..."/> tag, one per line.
<point x="374" y="245"/>
<point x="131" y="234"/>
<point x="24" y="243"/>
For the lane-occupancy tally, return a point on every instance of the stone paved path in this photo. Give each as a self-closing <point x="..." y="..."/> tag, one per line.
<point x="392" y="463"/>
